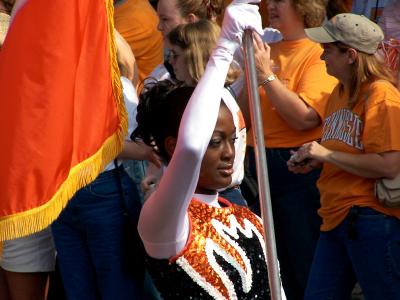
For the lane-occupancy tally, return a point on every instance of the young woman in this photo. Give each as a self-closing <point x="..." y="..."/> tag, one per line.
<point x="360" y="238"/>
<point x="294" y="87"/>
<point x="172" y="13"/>
<point x="175" y="12"/>
<point x="200" y="246"/>
<point x="190" y="48"/>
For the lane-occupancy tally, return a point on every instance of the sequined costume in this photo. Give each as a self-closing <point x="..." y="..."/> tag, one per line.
<point x="223" y="259"/>
<point x="204" y="249"/>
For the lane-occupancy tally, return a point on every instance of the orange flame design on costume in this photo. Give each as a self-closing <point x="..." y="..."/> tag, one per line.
<point x="203" y="230"/>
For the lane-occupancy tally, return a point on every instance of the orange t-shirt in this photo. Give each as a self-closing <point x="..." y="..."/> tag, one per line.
<point x="137" y="22"/>
<point x="301" y="70"/>
<point x="372" y="126"/>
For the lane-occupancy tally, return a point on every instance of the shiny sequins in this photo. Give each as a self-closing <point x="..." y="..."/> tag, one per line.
<point x="225" y="258"/>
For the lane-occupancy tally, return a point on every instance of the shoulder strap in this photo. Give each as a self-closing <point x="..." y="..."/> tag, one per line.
<point x="229" y="88"/>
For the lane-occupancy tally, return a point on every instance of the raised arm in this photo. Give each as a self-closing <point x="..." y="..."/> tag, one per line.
<point x="296" y="112"/>
<point x="163" y="223"/>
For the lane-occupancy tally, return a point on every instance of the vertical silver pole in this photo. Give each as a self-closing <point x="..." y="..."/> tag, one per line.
<point x="261" y="163"/>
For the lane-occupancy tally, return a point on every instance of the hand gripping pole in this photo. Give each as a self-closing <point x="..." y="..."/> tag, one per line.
<point x="261" y="164"/>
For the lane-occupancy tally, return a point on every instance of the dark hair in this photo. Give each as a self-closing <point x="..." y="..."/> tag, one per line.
<point x="335" y="7"/>
<point x="8" y="5"/>
<point x="203" y="9"/>
<point x="159" y="113"/>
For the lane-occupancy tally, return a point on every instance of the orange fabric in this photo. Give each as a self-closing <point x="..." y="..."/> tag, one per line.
<point x="203" y="230"/>
<point x="367" y="128"/>
<point x="299" y="67"/>
<point x="137" y="22"/>
<point x="58" y="106"/>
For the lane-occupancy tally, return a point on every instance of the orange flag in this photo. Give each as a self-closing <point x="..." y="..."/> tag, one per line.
<point x="62" y="116"/>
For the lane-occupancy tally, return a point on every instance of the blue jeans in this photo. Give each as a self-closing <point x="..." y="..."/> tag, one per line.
<point x="136" y="169"/>
<point x="234" y="196"/>
<point x="295" y="201"/>
<point x="365" y="247"/>
<point x="90" y="239"/>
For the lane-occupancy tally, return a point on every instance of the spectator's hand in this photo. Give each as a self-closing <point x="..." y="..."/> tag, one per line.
<point x="138" y="150"/>
<point x="312" y="150"/>
<point x="304" y="166"/>
<point x="262" y="57"/>
<point x="153" y="157"/>
<point x="150" y="180"/>
<point x="309" y="156"/>
<point x="239" y="15"/>
<point x="148" y="153"/>
<point x="148" y="183"/>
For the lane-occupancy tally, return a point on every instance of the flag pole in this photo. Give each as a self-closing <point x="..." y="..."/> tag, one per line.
<point x="261" y="164"/>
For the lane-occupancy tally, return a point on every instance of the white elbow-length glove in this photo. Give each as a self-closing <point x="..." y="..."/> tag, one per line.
<point x="239" y="15"/>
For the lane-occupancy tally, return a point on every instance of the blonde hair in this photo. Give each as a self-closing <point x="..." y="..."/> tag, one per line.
<point x="197" y="41"/>
<point x="366" y="68"/>
<point x="313" y="12"/>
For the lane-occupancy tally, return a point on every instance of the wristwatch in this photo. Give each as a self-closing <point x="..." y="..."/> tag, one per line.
<point x="270" y="78"/>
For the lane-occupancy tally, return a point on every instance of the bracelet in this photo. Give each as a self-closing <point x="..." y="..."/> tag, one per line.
<point x="269" y="78"/>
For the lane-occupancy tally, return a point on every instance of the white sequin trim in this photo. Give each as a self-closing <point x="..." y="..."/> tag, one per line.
<point x="197" y="278"/>
<point x="248" y="230"/>
<point x="211" y="247"/>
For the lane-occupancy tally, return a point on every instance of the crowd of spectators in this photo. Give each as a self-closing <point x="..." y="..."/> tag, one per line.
<point x="328" y="80"/>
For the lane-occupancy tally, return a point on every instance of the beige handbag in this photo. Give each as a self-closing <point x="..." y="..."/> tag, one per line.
<point x="388" y="191"/>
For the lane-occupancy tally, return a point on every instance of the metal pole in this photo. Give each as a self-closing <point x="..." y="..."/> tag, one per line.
<point x="261" y="163"/>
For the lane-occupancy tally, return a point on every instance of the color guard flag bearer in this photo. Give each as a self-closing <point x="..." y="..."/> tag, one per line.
<point x="62" y="116"/>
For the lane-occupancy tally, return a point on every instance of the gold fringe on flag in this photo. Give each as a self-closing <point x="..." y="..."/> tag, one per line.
<point x="37" y="219"/>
